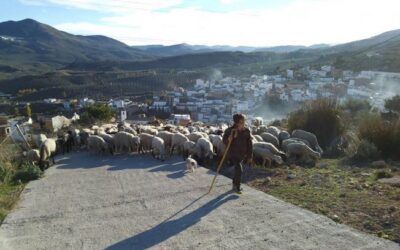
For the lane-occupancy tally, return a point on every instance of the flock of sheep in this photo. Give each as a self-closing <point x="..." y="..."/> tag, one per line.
<point x="203" y="143"/>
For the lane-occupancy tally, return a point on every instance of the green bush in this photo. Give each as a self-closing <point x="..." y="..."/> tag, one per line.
<point x="97" y="112"/>
<point x="26" y="173"/>
<point x="380" y="174"/>
<point x="321" y="117"/>
<point x="366" y="151"/>
<point x="385" y="135"/>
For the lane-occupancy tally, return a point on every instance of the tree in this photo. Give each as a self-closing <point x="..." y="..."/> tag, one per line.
<point x="100" y="112"/>
<point x="28" y="110"/>
<point x="393" y="104"/>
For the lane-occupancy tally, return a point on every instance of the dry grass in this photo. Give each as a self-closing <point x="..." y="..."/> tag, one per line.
<point x="348" y="195"/>
<point x="9" y="195"/>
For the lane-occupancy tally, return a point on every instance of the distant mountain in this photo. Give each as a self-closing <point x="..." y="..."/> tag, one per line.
<point x="173" y="50"/>
<point x="184" y="49"/>
<point x="381" y="52"/>
<point x="29" y="41"/>
<point x="30" y="53"/>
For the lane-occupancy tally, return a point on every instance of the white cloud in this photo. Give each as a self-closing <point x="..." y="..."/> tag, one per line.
<point x="226" y="2"/>
<point x="300" y="22"/>
<point x="33" y="2"/>
<point x="116" y="6"/>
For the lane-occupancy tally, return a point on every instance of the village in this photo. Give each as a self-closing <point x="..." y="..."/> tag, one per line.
<point x="214" y="101"/>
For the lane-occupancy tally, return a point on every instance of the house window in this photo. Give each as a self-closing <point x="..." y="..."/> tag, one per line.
<point x="8" y="131"/>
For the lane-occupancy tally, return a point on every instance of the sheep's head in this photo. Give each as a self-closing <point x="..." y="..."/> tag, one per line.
<point x="277" y="159"/>
<point x="316" y="155"/>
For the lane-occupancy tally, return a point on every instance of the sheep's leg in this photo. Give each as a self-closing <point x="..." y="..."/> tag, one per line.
<point x="184" y="155"/>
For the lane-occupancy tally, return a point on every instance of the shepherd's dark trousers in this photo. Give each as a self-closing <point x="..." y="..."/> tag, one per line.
<point x="237" y="177"/>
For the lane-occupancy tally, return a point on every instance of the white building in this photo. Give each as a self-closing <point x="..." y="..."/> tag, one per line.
<point x="290" y="73"/>
<point x="355" y="92"/>
<point x="50" y="100"/>
<point x="326" y="68"/>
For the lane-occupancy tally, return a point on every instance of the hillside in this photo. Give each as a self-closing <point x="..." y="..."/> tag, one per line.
<point x="28" y="41"/>
<point x="57" y="64"/>
<point x="183" y="49"/>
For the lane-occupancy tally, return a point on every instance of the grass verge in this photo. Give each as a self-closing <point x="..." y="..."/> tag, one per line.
<point x="346" y="194"/>
<point x="9" y="195"/>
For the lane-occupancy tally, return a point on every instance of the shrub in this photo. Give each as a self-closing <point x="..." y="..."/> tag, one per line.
<point x="380" y="174"/>
<point x="97" y="112"/>
<point x="366" y="151"/>
<point x="385" y="135"/>
<point x="5" y="171"/>
<point x="356" y="105"/>
<point x="321" y="117"/>
<point x="276" y="123"/>
<point x="393" y="104"/>
<point x="27" y="173"/>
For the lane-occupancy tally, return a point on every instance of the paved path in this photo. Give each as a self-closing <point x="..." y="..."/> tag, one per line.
<point x="135" y="202"/>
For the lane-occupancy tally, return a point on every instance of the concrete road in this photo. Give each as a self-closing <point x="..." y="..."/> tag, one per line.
<point x="135" y="202"/>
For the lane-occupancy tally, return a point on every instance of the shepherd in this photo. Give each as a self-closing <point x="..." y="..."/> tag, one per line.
<point x="241" y="148"/>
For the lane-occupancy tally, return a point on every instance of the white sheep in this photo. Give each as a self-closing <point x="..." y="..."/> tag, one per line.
<point x="177" y="142"/>
<point x="145" y="142"/>
<point x="257" y="121"/>
<point x="283" y="135"/>
<point x="98" y="130"/>
<point x="124" y="140"/>
<point x="273" y="130"/>
<point x="167" y="137"/>
<point x="258" y="138"/>
<point x="183" y="130"/>
<point x="188" y="148"/>
<point x="47" y="151"/>
<point x="158" y="148"/>
<point x="286" y="142"/>
<point x="310" y="137"/>
<point x="261" y="129"/>
<point x="268" y="137"/>
<point x="109" y="139"/>
<point x="130" y="130"/>
<point x="191" y="164"/>
<point x="204" y="149"/>
<point x="266" y="155"/>
<point x="221" y="149"/>
<point x="215" y="139"/>
<point x="195" y="136"/>
<point x="96" y="144"/>
<point x="149" y="130"/>
<point x="268" y="146"/>
<point x="253" y="138"/>
<point x="76" y="137"/>
<point x="38" y="139"/>
<point x="301" y="150"/>
<point x="32" y="156"/>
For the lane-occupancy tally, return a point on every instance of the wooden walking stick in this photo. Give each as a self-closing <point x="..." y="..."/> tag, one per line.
<point x="223" y="158"/>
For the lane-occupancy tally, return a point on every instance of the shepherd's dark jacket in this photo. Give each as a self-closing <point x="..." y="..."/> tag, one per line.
<point x="241" y="146"/>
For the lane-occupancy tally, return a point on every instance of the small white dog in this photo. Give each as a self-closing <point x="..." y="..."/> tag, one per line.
<point x="191" y="164"/>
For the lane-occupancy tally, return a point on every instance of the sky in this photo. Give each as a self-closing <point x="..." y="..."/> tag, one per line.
<point x="259" y="23"/>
